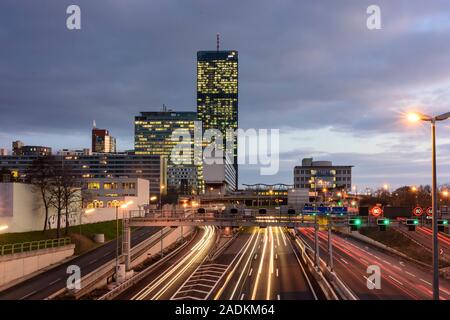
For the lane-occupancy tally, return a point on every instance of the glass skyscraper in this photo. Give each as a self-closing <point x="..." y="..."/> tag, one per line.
<point x="153" y="136"/>
<point x="217" y="93"/>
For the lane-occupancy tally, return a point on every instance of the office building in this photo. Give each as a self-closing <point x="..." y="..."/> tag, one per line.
<point x="153" y="136"/>
<point x="68" y="152"/>
<point x="219" y="177"/>
<point x="322" y="174"/>
<point x="19" y="149"/>
<point x="217" y="94"/>
<point x="102" y="141"/>
<point x="149" y="167"/>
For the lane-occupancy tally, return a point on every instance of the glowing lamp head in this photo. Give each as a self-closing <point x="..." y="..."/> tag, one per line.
<point x="413" y="117"/>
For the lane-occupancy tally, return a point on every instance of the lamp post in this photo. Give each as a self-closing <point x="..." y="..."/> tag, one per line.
<point x="161" y="188"/>
<point x="123" y="206"/>
<point x="415" y="117"/>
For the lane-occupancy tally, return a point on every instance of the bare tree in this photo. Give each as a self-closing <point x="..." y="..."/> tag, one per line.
<point x="71" y="194"/>
<point x="63" y="191"/>
<point x="40" y="175"/>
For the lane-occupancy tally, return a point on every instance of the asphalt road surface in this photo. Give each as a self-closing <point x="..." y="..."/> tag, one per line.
<point x="265" y="268"/>
<point x="400" y="279"/>
<point x="45" y="284"/>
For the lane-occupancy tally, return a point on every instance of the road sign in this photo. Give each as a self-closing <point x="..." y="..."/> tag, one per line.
<point x="376" y="211"/>
<point x="429" y="211"/>
<point x="418" y="211"/>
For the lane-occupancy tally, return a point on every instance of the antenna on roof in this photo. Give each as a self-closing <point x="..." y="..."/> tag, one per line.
<point x="218" y="41"/>
<point x="94" y="125"/>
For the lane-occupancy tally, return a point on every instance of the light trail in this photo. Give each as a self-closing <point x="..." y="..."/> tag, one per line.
<point x="269" y="276"/>
<point x="190" y="258"/>
<point x="230" y="275"/>
<point x="256" y="232"/>
<point x="255" y="288"/>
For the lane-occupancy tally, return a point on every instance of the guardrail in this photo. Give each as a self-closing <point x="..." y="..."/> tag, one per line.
<point x="33" y="245"/>
<point x="139" y="276"/>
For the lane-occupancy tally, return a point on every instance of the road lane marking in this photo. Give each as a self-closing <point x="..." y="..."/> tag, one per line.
<point x="242" y="297"/>
<point x="344" y="261"/>
<point x="255" y="288"/>
<point x="409" y="273"/>
<point x="276" y="256"/>
<point x="30" y="294"/>
<point x="364" y="261"/>
<point x="278" y="297"/>
<point x="398" y="268"/>
<point x="387" y="262"/>
<point x="395" y="280"/>
<point x="256" y="256"/>
<point x="428" y="283"/>
<point x="53" y="282"/>
<point x="277" y="272"/>
<point x="250" y="273"/>
<point x="93" y="261"/>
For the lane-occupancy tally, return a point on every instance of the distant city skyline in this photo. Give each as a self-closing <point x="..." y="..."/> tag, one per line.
<point x="337" y="95"/>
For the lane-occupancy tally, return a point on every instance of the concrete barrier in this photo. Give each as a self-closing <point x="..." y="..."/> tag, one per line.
<point x="18" y="265"/>
<point x="329" y="281"/>
<point x="99" y="277"/>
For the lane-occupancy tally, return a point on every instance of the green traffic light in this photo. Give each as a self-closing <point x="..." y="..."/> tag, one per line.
<point x="416" y="221"/>
<point x="386" y="221"/>
<point x="358" y="222"/>
<point x="445" y="222"/>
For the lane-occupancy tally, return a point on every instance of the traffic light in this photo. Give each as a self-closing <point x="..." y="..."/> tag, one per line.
<point x="412" y="223"/>
<point x="354" y="223"/>
<point x="442" y="223"/>
<point x="382" y="223"/>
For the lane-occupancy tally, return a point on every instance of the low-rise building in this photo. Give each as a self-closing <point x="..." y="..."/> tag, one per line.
<point x="322" y="174"/>
<point x="113" y="192"/>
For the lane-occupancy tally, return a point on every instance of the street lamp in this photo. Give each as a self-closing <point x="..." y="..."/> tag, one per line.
<point x="123" y="206"/>
<point x="161" y="188"/>
<point x="415" y="117"/>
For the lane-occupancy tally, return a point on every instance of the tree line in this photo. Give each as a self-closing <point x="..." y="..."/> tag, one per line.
<point x="58" y="188"/>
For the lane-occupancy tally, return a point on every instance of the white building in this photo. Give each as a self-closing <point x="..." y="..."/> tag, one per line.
<point x="322" y="174"/>
<point x="22" y="209"/>
<point x="107" y="193"/>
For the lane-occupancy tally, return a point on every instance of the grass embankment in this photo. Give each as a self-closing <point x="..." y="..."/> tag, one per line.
<point x="83" y="242"/>
<point x="399" y="242"/>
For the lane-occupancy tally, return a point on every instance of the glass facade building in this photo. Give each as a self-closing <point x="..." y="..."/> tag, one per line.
<point x="153" y="136"/>
<point x="217" y="94"/>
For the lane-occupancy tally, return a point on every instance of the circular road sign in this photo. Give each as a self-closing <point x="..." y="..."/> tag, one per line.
<point x="429" y="211"/>
<point x="376" y="211"/>
<point x="418" y="211"/>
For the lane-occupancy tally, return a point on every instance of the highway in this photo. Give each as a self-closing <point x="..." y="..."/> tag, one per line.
<point x="400" y="279"/>
<point x="265" y="267"/>
<point x="423" y="235"/>
<point x="169" y="277"/>
<point x="45" y="284"/>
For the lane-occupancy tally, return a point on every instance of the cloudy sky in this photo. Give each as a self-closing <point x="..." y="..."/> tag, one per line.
<point x="334" y="88"/>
